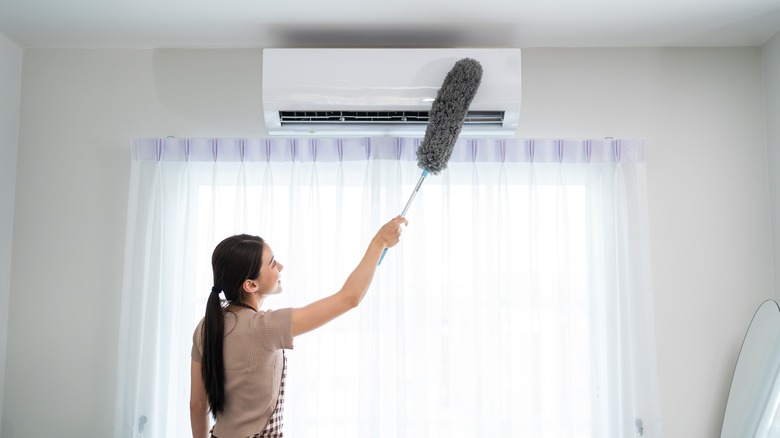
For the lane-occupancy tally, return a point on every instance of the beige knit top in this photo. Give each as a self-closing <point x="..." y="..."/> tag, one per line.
<point x="253" y="367"/>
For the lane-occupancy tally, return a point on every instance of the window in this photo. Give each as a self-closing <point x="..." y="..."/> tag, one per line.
<point x="506" y="310"/>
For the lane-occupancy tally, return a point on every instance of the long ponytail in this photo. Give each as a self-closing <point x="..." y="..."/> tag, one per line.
<point x="213" y="366"/>
<point x="235" y="259"/>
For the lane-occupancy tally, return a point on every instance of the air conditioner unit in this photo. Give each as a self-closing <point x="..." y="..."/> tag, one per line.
<point x="381" y="92"/>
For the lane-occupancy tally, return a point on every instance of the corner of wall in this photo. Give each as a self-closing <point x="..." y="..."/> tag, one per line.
<point x="770" y="59"/>
<point x="10" y="101"/>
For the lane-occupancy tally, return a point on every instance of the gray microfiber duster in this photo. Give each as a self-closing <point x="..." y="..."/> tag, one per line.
<point x="447" y="115"/>
<point x="445" y="121"/>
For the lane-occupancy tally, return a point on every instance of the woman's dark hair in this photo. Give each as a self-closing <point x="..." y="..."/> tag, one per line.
<point x="235" y="259"/>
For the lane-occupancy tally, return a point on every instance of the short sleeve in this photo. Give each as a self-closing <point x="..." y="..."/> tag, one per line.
<point x="275" y="328"/>
<point x="197" y="343"/>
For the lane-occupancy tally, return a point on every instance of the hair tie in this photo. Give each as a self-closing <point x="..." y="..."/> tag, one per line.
<point x="215" y="290"/>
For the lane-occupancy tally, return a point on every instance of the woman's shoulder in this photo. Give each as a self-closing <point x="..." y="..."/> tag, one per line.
<point x="275" y="326"/>
<point x="199" y="328"/>
<point x="199" y="325"/>
<point x="280" y="315"/>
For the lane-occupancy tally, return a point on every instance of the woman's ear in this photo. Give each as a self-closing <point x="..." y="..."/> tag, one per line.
<point x="251" y="286"/>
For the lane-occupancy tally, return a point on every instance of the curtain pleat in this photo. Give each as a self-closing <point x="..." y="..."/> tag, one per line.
<point x="518" y="303"/>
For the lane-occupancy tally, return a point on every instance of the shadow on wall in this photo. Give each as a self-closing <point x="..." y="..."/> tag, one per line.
<point x="472" y="35"/>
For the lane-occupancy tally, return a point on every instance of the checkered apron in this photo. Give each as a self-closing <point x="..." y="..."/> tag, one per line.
<point x="274" y="427"/>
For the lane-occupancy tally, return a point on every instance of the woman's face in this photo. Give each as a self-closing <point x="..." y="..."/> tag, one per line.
<point x="270" y="273"/>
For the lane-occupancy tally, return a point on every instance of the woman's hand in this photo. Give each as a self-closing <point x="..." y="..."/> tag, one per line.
<point x="390" y="233"/>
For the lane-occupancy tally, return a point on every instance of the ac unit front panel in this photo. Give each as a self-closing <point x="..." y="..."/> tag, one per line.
<point x="395" y="84"/>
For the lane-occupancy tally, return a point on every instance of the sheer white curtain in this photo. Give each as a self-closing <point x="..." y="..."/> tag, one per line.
<point x="518" y="304"/>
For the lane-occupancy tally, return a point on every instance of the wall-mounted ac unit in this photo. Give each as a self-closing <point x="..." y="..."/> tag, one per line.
<point x="377" y="92"/>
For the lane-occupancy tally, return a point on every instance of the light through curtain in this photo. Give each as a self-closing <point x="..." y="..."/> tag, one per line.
<point x="518" y="303"/>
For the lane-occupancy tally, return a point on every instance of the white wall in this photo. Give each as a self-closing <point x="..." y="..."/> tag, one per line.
<point x="702" y="111"/>
<point x="771" y="62"/>
<point x="10" y="98"/>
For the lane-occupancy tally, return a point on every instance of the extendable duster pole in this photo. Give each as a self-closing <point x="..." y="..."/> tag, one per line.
<point x="408" y="203"/>
<point x="414" y="193"/>
<point x="446" y="118"/>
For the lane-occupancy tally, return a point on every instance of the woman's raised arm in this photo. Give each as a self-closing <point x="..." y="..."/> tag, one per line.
<point x="318" y="313"/>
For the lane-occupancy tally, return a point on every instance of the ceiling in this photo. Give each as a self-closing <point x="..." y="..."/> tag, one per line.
<point x="398" y="23"/>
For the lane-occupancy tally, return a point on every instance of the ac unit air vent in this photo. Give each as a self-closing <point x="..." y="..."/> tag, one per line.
<point x="483" y="118"/>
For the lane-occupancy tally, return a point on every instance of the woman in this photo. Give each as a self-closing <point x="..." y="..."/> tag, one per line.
<point x="238" y="363"/>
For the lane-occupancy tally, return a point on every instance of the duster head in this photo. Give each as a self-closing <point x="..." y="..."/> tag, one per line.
<point x="447" y="115"/>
